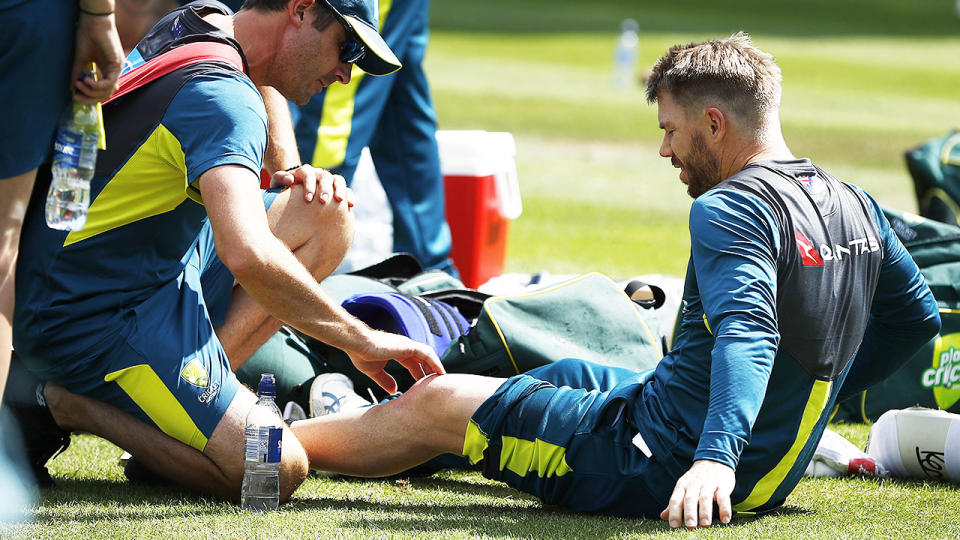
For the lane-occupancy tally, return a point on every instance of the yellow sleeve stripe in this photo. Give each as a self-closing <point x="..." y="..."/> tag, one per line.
<point x="336" y="121"/>
<point x="146" y="389"/>
<point x="763" y="491"/>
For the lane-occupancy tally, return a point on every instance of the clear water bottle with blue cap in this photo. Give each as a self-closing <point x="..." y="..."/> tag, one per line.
<point x="74" y="157"/>
<point x="261" y="458"/>
<point x="625" y="55"/>
<point x="79" y="135"/>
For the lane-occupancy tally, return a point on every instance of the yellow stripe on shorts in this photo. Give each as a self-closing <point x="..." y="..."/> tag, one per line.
<point x="145" y="388"/>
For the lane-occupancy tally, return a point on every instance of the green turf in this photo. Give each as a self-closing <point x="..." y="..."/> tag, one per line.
<point x="94" y="500"/>
<point x="863" y="81"/>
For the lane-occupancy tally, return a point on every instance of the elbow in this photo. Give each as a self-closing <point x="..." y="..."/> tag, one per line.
<point x="931" y="325"/>
<point x="241" y="260"/>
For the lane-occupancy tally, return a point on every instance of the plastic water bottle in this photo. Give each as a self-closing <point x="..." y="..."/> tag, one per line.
<point x="625" y="55"/>
<point x="261" y="464"/>
<point x="74" y="158"/>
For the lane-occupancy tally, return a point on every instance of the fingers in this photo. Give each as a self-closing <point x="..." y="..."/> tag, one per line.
<point x="384" y="380"/>
<point x="705" y="511"/>
<point x="688" y="503"/>
<point x="421" y="363"/>
<point x="325" y="185"/>
<point x="673" y="513"/>
<point x="97" y="41"/>
<point x="691" y="502"/>
<point x="282" y="179"/>
<point x="339" y="188"/>
<point x="724" y="508"/>
<point x="91" y="91"/>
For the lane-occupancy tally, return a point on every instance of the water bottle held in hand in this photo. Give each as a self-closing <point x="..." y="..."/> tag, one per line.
<point x="74" y="158"/>
<point x="261" y="464"/>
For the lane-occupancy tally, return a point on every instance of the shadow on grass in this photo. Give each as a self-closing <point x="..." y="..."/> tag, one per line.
<point x="489" y="519"/>
<point x="104" y="499"/>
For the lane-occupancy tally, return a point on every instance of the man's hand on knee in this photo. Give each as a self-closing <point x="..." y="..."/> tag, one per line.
<point x="381" y="347"/>
<point x="317" y="183"/>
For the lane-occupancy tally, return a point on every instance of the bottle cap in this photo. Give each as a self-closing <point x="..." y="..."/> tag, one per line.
<point x="268" y="385"/>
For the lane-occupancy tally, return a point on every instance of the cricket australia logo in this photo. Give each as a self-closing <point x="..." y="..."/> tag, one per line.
<point x="195" y="374"/>
<point x="943" y="377"/>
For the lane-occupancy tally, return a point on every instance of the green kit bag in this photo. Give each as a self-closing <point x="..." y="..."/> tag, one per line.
<point x="935" y="168"/>
<point x="587" y="317"/>
<point x="931" y="377"/>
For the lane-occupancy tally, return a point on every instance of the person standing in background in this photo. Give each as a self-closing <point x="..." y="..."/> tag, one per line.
<point x="394" y="116"/>
<point x="46" y="45"/>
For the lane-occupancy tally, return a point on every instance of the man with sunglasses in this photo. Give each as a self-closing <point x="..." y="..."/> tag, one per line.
<point x="395" y="118"/>
<point x="184" y="266"/>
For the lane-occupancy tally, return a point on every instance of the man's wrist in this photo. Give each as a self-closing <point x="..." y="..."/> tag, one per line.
<point x="96" y="8"/>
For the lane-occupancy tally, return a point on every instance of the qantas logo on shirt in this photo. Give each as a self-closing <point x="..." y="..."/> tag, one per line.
<point x="808" y="254"/>
<point x="811" y="256"/>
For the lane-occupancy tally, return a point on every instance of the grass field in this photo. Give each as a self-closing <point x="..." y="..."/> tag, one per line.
<point x="863" y="81"/>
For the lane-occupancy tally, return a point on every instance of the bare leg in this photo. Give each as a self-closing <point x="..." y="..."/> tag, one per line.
<point x="318" y="234"/>
<point x="14" y="196"/>
<point x="218" y="470"/>
<point x="428" y="420"/>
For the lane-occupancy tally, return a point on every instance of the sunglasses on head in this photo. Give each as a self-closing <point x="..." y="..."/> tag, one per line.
<point x="353" y="48"/>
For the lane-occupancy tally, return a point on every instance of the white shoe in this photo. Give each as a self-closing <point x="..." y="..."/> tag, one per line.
<point x="293" y="412"/>
<point x="333" y="392"/>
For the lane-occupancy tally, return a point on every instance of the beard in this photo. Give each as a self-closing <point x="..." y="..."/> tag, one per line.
<point x="701" y="166"/>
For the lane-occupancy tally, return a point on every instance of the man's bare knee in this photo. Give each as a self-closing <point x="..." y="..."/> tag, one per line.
<point x="319" y="234"/>
<point x="444" y="404"/>
<point x="293" y="465"/>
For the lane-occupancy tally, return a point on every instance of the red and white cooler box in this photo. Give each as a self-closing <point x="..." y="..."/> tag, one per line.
<point x="482" y="197"/>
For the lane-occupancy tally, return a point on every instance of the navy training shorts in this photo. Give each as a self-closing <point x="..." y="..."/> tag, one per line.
<point x="171" y="370"/>
<point x="36" y="56"/>
<point x="568" y="445"/>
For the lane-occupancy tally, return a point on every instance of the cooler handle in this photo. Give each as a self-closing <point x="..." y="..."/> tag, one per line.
<point x="508" y="190"/>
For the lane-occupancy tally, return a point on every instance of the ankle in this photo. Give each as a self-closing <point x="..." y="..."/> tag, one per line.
<point x="57" y="399"/>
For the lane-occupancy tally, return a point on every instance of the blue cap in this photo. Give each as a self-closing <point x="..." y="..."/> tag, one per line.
<point x="268" y="385"/>
<point x="363" y="18"/>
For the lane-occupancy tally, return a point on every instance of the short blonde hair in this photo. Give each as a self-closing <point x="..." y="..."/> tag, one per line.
<point x="730" y="72"/>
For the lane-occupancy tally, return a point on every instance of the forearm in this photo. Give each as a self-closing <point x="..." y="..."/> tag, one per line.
<point x="278" y="281"/>
<point x="96" y="6"/>
<point x="887" y="347"/>
<point x="739" y="375"/>
<point x="282" y="152"/>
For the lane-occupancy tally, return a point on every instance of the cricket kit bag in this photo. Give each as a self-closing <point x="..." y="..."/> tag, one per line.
<point x="931" y="377"/>
<point x="935" y="168"/>
<point x="587" y="317"/>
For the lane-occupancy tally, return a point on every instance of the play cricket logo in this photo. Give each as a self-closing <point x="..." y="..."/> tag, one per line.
<point x="195" y="374"/>
<point x="943" y="377"/>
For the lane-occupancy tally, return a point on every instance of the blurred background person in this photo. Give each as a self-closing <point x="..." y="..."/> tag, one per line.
<point x="394" y="116"/>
